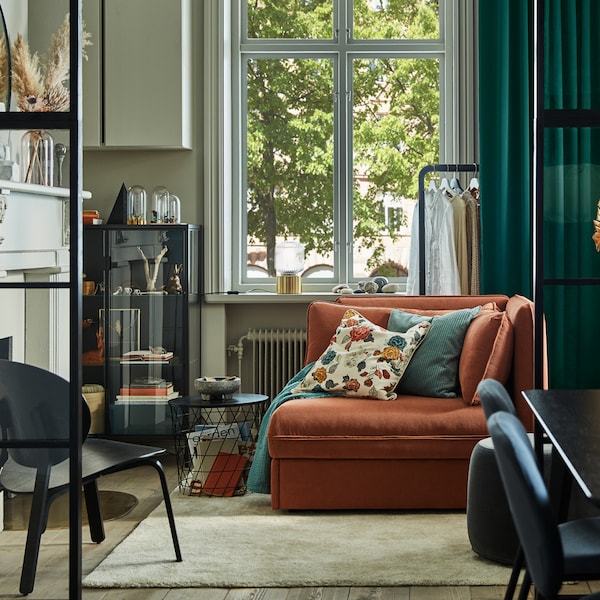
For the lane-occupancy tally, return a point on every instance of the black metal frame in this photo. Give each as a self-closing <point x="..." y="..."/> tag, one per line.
<point x="542" y="119"/>
<point x="70" y="121"/>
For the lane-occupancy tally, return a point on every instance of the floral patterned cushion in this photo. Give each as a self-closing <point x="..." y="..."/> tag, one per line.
<point x="363" y="359"/>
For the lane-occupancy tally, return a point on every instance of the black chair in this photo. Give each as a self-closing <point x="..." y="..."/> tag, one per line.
<point x="494" y="398"/>
<point x="553" y="552"/>
<point x="34" y="405"/>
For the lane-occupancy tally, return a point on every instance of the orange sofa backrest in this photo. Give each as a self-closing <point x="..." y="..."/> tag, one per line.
<point x="323" y="319"/>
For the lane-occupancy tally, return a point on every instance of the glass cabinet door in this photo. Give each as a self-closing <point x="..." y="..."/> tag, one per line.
<point x="138" y="322"/>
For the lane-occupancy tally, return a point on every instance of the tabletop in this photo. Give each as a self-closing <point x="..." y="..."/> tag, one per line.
<point x="235" y="400"/>
<point x="571" y="420"/>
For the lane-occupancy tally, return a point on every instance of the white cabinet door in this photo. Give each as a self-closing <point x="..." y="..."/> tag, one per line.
<point x="137" y="79"/>
<point x="147" y="73"/>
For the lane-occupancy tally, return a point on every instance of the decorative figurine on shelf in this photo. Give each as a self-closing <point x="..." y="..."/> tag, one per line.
<point x="94" y="357"/>
<point x="151" y="280"/>
<point x="174" y="285"/>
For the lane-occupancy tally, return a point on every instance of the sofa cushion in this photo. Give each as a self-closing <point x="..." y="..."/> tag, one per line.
<point x="408" y="427"/>
<point x="323" y="319"/>
<point x="363" y="359"/>
<point x="487" y="352"/>
<point x="433" y="370"/>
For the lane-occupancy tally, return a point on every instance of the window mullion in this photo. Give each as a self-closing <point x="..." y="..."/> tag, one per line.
<point x="343" y="145"/>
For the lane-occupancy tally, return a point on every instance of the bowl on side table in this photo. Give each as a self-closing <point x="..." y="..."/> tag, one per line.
<point x="217" y="388"/>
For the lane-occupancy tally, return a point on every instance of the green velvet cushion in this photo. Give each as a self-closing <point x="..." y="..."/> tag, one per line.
<point x="433" y="370"/>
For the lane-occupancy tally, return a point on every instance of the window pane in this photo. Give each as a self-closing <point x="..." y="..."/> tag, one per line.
<point x="294" y="19"/>
<point x="290" y="160"/>
<point x="396" y="19"/>
<point x="396" y="107"/>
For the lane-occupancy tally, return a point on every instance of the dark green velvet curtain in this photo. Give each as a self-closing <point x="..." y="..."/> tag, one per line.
<point x="505" y="145"/>
<point x="571" y="172"/>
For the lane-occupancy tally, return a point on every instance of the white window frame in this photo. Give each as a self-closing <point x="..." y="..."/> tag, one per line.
<point x="222" y="171"/>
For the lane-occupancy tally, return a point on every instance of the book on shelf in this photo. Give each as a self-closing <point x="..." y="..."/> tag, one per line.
<point x="146" y="356"/>
<point x="147" y="391"/>
<point x="139" y="398"/>
<point x="149" y="381"/>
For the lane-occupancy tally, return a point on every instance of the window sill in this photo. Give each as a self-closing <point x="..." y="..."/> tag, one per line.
<point x="268" y="298"/>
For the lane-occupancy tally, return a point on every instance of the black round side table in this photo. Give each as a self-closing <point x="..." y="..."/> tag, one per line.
<point x="215" y="442"/>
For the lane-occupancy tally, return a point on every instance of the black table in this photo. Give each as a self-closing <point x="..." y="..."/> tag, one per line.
<point x="571" y="420"/>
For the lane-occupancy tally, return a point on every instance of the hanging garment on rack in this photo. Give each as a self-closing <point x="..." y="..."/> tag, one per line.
<point x="440" y="253"/>
<point x="460" y="241"/>
<point x="473" y="241"/>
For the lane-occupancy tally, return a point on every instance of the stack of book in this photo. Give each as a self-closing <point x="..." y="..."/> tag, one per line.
<point x="149" y="391"/>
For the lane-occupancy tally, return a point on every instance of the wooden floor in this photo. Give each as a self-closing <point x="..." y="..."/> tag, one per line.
<point x="52" y="573"/>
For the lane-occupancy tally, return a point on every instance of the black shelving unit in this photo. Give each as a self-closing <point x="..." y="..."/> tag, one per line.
<point x="125" y="317"/>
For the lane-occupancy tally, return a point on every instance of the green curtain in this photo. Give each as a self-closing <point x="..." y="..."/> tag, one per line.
<point x="505" y="145"/>
<point x="571" y="172"/>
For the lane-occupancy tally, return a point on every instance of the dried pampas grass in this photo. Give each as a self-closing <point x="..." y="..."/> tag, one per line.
<point x="38" y="83"/>
<point x="4" y="71"/>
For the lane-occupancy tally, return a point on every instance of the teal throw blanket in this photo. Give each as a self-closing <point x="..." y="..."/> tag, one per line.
<point x="259" y="478"/>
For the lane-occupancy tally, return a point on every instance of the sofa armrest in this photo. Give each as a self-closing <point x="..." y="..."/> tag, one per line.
<point x="521" y="314"/>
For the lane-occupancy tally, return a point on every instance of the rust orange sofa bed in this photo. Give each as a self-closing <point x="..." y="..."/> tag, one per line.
<point x="339" y="452"/>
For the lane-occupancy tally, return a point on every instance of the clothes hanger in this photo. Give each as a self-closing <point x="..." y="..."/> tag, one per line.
<point x="445" y="187"/>
<point x="474" y="183"/>
<point x="474" y="189"/>
<point x="455" y="185"/>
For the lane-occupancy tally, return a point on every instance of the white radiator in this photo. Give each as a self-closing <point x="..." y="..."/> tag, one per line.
<point x="275" y="356"/>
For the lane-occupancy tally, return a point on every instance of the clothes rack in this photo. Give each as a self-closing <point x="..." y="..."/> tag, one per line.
<point x="439" y="168"/>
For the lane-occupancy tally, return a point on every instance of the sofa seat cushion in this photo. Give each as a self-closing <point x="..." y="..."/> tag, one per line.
<point x="414" y="427"/>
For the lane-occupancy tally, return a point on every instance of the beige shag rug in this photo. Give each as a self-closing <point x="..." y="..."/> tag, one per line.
<point x="241" y="542"/>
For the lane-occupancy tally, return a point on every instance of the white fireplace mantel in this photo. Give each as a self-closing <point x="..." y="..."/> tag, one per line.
<point x="34" y="227"/>
<point x="34" y="248"/>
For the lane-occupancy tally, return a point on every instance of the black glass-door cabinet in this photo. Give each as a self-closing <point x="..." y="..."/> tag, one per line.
<point x="141" y="324"/>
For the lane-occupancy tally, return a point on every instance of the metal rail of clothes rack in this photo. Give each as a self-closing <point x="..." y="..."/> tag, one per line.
<point x="441" y="168"/>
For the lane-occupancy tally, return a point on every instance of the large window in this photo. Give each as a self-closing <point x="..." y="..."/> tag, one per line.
<point x="336" y="105"/>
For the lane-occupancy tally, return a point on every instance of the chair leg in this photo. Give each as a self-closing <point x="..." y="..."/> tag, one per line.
<point x="165" y="489"/>
<point x="94" y="512"/>
<point x="38" y="519"/>
<point x="514" y="575"/>
<point x="525" y="586"/>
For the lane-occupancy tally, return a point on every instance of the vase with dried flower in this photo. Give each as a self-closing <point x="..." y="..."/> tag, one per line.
<point x="37" y="157"/>
<point x="39" y="86"/>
